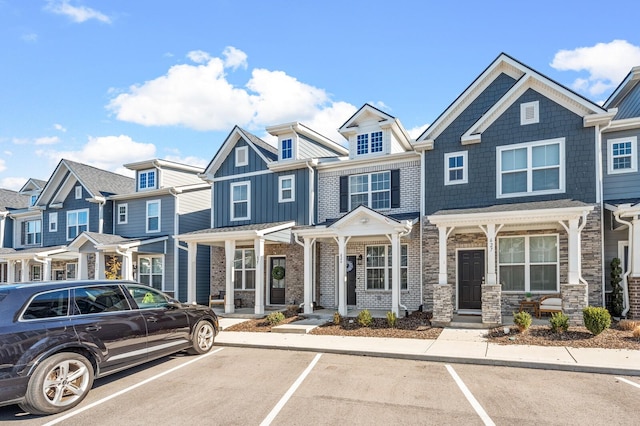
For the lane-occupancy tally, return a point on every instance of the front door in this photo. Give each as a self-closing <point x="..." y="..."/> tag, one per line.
<point x="276" y="286"/>
<point x="470" y="277"/>
<point x="351" y="280"/>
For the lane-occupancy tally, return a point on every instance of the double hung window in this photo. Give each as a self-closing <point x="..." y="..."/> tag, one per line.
<point x="240" y="201"/>
<point x="622" y="155"/>
<point x="378" y="267"/>
<point x="372" y="190"/>
<point x="150" y="271"/>
<point x="244" y="267"/>
<point x="528" y="263"/>
<point x="153" y="216"/>
<point x="77" y="223"/>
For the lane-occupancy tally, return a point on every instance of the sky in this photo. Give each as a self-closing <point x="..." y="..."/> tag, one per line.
<point x="111" y="82"/>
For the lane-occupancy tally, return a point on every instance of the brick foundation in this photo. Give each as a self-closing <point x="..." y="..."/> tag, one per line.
<point x="491" y="304"/>
<point x="574" y="300"/>
<point x="633" y="283"/>
<point x="442" y="306"/>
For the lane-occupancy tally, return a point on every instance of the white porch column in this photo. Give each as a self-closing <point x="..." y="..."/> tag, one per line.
<point x="127" y="265"/>
<point x="229" y="253"/>
<point x="308" y="278"/>
<point x="100" y="266"/>
<point x="491" y="276"/>
<point x="258" y="246"/>
<point x="634" y="252"/>
<point x="83" y="266"/>
<point x="342" y="276"/>
<point x="395" y="274"/>
<point x="192" y="252"/>
<point x="25" y="271"/>
<point x="442" y="253"/>
<point x="11" y="271"/>
<point x="574" y="252"/>
<point x="46" y="269"/>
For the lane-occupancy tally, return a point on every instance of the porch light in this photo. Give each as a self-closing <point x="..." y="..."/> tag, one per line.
<point x="359" y="259"/>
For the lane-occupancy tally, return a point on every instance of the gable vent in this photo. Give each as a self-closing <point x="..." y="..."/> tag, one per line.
<point x="529" y="113"/>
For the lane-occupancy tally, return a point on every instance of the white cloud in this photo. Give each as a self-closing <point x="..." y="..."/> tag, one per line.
<point x="189" y="160"/>
<point x="606" y="63"/>
<point x="3" y="165"/>
<point x="59" y="127"/>
<point x="415" y="132"/>
<point x="13" y="183"/>
<point x="76" y="13"/>
<point x="30" y="37"/>
<point x="105" y="152"/>
<point x="200" y="97"/>
<point x="20" y="141"/>
<point x="46" y="140"/>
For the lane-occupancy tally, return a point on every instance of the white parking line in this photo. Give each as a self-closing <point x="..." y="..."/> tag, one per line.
<point x="272" y="415"/>
<point x="472" y="400"/>
<point x="629" y="382"/>
<point x="130" y="388"/>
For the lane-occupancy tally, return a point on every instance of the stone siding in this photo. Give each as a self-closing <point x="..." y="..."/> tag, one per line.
<point x="634" y="298"/>
<point x="442" y="306"/>
<point x="574" y="300"/>
<point x="491" y="304"/>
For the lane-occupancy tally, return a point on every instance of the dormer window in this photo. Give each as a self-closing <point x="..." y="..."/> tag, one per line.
<point x="287" y="149"/>
<point x="242" y="156"/>
<point x="369" y="142"/>
<point x="146" y="179"/>
<point x="32" y="200"/>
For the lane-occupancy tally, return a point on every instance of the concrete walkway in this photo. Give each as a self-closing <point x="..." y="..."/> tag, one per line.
<point x="466" y="346"/>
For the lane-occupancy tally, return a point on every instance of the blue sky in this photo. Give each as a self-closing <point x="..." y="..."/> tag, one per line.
<point x="109" y="82"/>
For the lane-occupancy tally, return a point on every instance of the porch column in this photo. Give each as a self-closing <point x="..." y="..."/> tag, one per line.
<point x="491" y="276"/>
<point x="229" y="253"/>
<point x="11" y="271"/>
<point x="308" y="278"/>
<point x="395" y="274"/>
<point x="258" y="246"/>
<point x="100" y="266"/>
<point x="83" y="267"/>
<point x="127" y="265"/>
<point x="192" y="252"/>
<point x="25" y="271"/>
<point x="46" y="269"/>
<point x="442" y="253"/>
<point x="634" y="249"/>
<point x="574" y="252"/>
<point x="342" y="276"/>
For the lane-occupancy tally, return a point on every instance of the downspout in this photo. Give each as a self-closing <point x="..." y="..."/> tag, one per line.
<point x="176" y="252"/>
<point x="312" y="194"/>
<point x="625" y="288"/>
<point x="423" y="208"/>
<point x="404" y="307"/>
<point x="580" y="228"/>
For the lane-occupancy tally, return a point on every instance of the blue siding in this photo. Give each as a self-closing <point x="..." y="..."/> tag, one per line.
<point x="622" y="185"/>
<point x="265" y="207"/>
<point x="630" y="105"/>
<point x="228" y="167"/>
<point x="70" y="204"/>
<point x="555" y="122"/>
<point x="8" y="234"/>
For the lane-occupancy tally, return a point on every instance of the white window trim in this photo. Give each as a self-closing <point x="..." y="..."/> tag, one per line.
<point x="527" y="263"/>
<point x="77" y="224"/>
<point x="66" y="271"/>
<point x="529" y="146"/>
<point x="33" y="269"/>
<point x="369" y="144"/>
<point x="53" y="222"/>
<point x="126" y="213"/>
<point x="246" y="270"/>
<point x="245" y="151"/>
<point x="146" y="223"/>
<point x="155" y="179"/>
<point x="464" y="179"/>
<point x="151" y="274"/>
<point x="293" y="149"/>
<point x="634" y="155"/>
<point x="281" y="198"/>
<point x="369" y="191"/>
<point x="78" y="190"/>
<point x="248" y="201"/>
<point x="32" y="200"/>
<point x="536" y="113"/>
<point x="387" y="276"/>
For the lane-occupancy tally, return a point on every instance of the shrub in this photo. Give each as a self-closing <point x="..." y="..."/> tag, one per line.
<point x="596" y="319"/>
<point x="628" y="325"/>
<point x="391" y="319"/>
<point x="616" y="293"/>
<point x="559" y="322"/>
<point x="292" y="311"/>
<point x="337" y="318"/>
<point x="364" y="318"/>
<point x="275" y="318"/>
<point x="636" y="332"/>
<point x="522" y="320"/>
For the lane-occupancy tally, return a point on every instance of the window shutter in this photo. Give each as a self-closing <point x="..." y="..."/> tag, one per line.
<point x="395" y="188"/>
<point x="344" y="194"/>
<point x="23" y="234"/>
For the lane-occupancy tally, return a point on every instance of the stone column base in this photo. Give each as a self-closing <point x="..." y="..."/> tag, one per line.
<point x="633" y="284"/>
<point x="574" y="300"/>
<point x="491" y="304"/>
<point x="442" y="305"/>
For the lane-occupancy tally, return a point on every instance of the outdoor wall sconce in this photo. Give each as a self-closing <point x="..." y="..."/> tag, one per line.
<point x="360" y="259"/>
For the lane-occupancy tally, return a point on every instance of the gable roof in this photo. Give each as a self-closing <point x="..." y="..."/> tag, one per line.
<point x="526" y="78"/>
<point x="307" y="131"/>
<point x="384" y="119"/>
<point x="267" y="152"/>
<point x="33" y="185"/>
<point x="98" y="183"/>
<point x="10" y="200"/>
<point x="626" y="98"/>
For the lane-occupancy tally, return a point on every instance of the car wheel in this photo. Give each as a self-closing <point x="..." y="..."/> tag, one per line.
<point x="203" y="337"/>
<point x="60" y="382"/>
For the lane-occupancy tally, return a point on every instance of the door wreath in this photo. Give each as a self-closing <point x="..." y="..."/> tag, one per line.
<point x="277" y="273"/>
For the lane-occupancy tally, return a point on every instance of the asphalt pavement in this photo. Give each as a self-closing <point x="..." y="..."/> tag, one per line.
<point x="464" y="346"/>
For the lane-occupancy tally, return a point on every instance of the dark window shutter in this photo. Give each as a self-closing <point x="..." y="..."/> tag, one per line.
<point x="344" y="194"/>
<point x="395" y="188"/>
<point x="23" y="234"/>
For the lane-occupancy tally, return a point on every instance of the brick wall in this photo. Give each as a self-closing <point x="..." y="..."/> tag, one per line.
<point x="634" y="298"/>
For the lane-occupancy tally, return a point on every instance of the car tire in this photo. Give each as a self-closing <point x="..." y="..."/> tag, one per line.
<point x="59" y="383"/>
<point x="203" y="338"/>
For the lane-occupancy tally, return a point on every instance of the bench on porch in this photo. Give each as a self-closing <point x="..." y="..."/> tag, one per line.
<point x="221" y="298"/>
<point x="550" y="303"/>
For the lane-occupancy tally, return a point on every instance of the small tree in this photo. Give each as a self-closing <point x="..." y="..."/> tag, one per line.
<point x="112" y="271"/>
<point x="616" y="279"/>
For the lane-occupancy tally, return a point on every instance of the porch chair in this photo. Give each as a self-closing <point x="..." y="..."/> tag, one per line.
<point x="550" y="303"/>
<point x="217" y="300"/>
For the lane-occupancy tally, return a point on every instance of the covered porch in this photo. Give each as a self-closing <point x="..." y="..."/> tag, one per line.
<point x="44" y="264"/>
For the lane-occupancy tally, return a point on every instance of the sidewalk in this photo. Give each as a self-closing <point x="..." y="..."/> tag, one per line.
<point x="462" y="346"/>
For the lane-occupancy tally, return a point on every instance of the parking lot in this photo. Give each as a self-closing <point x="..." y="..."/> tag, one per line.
<point x="243" y="386"/>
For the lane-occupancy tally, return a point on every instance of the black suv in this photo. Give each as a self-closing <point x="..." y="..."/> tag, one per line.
<point x="56" y="337"/>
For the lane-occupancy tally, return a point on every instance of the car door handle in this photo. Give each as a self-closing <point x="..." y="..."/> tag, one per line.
<point x="152" y="319"/>
<point x="93" y="328"/>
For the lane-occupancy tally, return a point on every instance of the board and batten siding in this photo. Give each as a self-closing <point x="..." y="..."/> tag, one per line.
<point x="480" y="191"/>
<point x="228" y="166"/>
<point x="620" y="185"/>
<point x="69" y="204"/>
<point x="137" y="217"/>
<point x="265" y="207"/>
